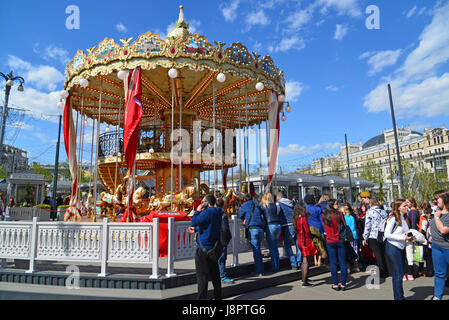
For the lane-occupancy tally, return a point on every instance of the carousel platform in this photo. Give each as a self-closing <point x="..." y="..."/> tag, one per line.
<point x="133" y="282"/>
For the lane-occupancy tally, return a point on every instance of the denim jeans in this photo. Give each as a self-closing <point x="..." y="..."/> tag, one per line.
<point x="289" y="235"/>
<point x="396" y="257"/>
<point x="440" y="259"/>
<point x="255" y="239"/>
<point x="273" y="231"/>
<point x="222" y="262"/>
<point x="337" y="252"/>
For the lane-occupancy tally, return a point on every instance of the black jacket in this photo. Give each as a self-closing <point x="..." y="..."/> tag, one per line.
<point x="225" y="231"/>
<point x="271" y="213"/>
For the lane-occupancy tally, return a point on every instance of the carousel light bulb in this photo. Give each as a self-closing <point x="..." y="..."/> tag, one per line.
<point x="64" y="94"/>
<point x="259" y="86"/>
<point x="60" y="105"/>
<point x="283" y="118"/>
<point x="84" y="83"/>
<point x="251" y="130"/>
<point x="85" y="122"/>
<point x="108" y="129"/>
<point x="281" y="98"/>
<point x="151" y="151"/>
<point x="119" y="154"/>
<point x="233" y="155"/>
<point x="122" y="74"/>
<point x="172" y="73"/>
<point x="221" y="77"/>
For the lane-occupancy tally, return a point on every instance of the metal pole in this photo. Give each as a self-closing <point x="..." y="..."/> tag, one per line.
<point x="180" y="141"/>
<point x="247" y="138"/>
<point x="391" y="171"/>
<point x="97" y="147"/>
<point x="5" y="115"/>
<point x="171" y="138"/>
<point x="349" y="170"/>
<point x="435" y="171"/>
<point x="215" y="142"/>
<point x="117" y="144"/>
<point x="55" y="178"/>
<point x="396" y="142"/>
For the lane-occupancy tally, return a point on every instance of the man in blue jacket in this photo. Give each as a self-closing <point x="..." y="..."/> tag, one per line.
<point x="251" y="214"/>
<point x="288" y="231"/>
<point x="207" y="222"/>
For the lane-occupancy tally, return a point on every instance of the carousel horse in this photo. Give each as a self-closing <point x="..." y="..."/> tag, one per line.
<point x="90" y="206"/>
<point x="204" y="190"/>
<point x="106" y="206"/>
<point x="142" y="207"/>
<point x="118" y="201"/>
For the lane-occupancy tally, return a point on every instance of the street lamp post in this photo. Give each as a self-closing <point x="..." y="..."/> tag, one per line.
<point x="9" y="83"/>
<point x="401" y="178"/>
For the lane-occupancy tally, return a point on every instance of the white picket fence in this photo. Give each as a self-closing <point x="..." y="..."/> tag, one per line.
<point x="106" y="242"/>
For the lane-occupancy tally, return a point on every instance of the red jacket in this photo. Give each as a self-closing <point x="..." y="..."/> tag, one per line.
<point x="332" y="235"/>
<point x="303" y="236"/>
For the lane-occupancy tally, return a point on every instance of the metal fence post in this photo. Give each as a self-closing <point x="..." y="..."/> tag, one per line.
<point x="155" y="249"/>
<point x="171" y="248"/>
<point x="33" y="249"/>
<point x="235" y="241"/>
<point x="104" y="248"/>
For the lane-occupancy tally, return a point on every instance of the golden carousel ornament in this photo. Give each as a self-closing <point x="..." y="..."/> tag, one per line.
<point x="187" y="84"/>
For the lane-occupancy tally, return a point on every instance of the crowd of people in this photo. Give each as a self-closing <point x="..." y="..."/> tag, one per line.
<point x="348" y="239"/>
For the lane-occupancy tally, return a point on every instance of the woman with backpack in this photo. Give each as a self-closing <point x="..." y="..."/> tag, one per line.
<point x="373" y="219"/>
<point x="396" y="235"/>
<point x="304" y="239"/>
<point x="315" y="222"/>
<point x="413" y="218"/>
<point x="351" y="222"/>
<point x="332" y="218"/>
<point x="273" y="228"/>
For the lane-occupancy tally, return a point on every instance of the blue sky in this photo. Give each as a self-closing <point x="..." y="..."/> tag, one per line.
<point x="335" y="67"/>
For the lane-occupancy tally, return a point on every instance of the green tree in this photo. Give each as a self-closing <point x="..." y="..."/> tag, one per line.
<point x="38" y="168"/>
<point x="337" y="169"/>
<point x="3" y="174"/>
<point x="373" y="173"/>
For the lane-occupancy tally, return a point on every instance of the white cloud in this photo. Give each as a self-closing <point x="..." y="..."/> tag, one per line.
<point x="54" y="53"/>
<point x="340" y="32"/>
<point x="378" y="60"/>
<point x="290" y="42"/>
<point x="417" y="87"/>
<point x="411" y="12"/>
<point x="256" y="18"/>
<point x="36" y="101"/>
<point x="298" y="19"/>
<point x="120" y="27"/>
<point x="295" y="149"/>
<point x="194" y="26"/>
<point x="230" y="12"/>
<point x="42" y="77"/>
<point x="293" y="90"/>
<point x="422" y="11"/>
<point x="343" y="7"/>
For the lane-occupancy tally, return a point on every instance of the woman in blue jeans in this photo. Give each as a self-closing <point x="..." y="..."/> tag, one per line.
<point x="336" y="248"/>
<point x="395" y="233"/>
<point x="273" y="229"/>
<point x="439" y="230"/>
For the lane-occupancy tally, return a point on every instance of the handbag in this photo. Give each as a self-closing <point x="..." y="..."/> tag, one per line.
<point x="214" y="253"/>
<point x="344" y="232"/>
<point x="249" y="221"/>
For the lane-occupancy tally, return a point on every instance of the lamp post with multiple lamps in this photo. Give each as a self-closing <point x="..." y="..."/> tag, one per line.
<point x="10" y="78"/>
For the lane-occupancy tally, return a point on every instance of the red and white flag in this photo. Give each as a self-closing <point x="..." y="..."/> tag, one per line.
<point x="274" y="127"/>
<point x="70" y="147"/>
<point x="133" y="115"/>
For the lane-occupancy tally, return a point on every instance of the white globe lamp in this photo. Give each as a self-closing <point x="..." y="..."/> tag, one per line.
<point x="172" y="73"/>
<point x="84" y="83"/>
<point x="259" y="86"/>
<point x="221" y="77"/>
<point x="122" y="74"/>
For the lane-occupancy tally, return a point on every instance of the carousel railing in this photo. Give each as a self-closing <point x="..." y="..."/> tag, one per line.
<point x="107" y="242"/>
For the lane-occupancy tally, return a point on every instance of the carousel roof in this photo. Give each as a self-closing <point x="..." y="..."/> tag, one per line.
<point x="198" y="63"/>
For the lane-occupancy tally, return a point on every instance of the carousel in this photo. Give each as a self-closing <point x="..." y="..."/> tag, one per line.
<point x="165" y="108"/>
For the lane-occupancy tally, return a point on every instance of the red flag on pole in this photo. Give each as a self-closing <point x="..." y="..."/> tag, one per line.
<point x="133" y="115"/>
<point x="70" y="147"/>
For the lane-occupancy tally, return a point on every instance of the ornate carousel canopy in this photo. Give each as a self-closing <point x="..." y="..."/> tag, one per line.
<point x="237" y="79"/>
